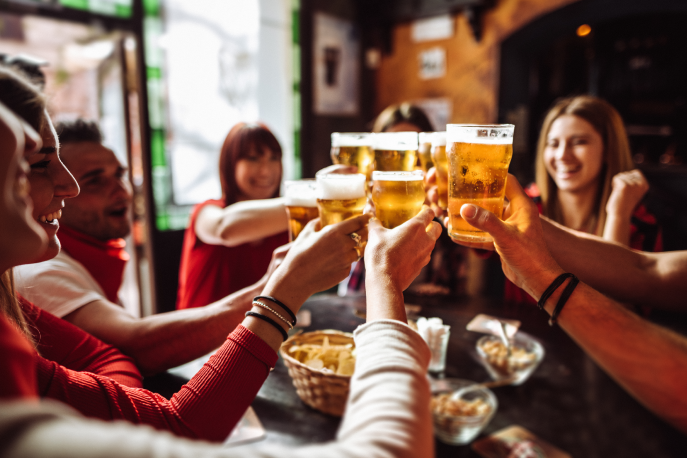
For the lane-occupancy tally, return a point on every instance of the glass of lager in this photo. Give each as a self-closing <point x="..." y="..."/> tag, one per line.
<point x="395" y="151"/>
<point x="301" y="204"/>
<point x="353" y="148"/>
<point x="478" y="160"/>
<point x="340" y="197"/>
<point x="425" y="151"/>
<point x="441" y="165"/>
<point x="398" y="196"/>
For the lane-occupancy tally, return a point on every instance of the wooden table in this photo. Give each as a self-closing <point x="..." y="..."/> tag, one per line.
<point x="568" y="401"/>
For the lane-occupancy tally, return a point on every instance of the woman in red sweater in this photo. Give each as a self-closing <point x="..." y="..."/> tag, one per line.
<point x="209" y="406"/>
<point x="229" y="242"/>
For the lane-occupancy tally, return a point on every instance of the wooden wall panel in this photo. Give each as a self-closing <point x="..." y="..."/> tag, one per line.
<point x="472" y="68"/>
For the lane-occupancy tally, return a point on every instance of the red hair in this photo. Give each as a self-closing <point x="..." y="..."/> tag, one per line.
<point x="241" y="140"/>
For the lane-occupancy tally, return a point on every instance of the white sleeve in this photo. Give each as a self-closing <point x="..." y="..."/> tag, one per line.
<point x="387" y="416"/>
<point x="59" y="286"/>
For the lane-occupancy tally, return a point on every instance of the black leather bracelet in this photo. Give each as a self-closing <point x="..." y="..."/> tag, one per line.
<point x="567" y="292"/>
<point x="551" y="289"/>
<point x="280" y="304"/>
<point x="270" y="321"/>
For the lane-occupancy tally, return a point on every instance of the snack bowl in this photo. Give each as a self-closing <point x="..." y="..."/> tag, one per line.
<point x="320" y="388"/>
<point x="526" y="354"/>
<point x="459" y="421"/>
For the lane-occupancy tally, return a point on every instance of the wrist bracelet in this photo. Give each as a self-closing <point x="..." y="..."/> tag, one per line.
<point x="266" y="307"/>
<point x="551" y="289"/>
<point x="280" y="304"/>
<point x="567" y="292"/>
<point x="270" y="321"/>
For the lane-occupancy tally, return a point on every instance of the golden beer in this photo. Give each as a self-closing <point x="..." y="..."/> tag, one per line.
<point x="301" y="204"/>
<point x="340" y="197"/>
<point x="441" y="166"/>
<point x="353" y="149"/>
<point x="425" y="151"/>
<point x="398" y="196"/>
<point x="478" y="158"/>
<point x="395" y="151"/>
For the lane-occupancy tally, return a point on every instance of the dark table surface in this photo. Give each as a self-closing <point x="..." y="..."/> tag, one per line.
<point x="568" y="401"/>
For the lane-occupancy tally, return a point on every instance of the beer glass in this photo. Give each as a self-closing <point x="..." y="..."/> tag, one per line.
<point x="478" y="159"/>
<point x="398" y="196"/>
<point x="340" y="197"/>
<point x="425" y="151"/>
<point x="441" y="166"/>
<point x="353" y="148"/>
<point x="395" y="151"/>
<point x="301" y="204"/>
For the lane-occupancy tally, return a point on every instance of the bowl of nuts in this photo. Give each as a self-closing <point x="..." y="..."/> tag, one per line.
<point x="460" y="409"/>
<point x="516" y="362"/>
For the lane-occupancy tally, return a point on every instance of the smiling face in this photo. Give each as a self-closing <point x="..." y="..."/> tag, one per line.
<point x="102" y="208"/>
<point x="574" y="154"/>
<point x="21" y="239"/>
<point x="258" y="175"/>
<point x="51" y="183"/>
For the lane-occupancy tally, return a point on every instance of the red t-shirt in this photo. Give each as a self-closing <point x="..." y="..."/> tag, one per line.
<point x="645" y="235"/>
<point x="17" y="366"/>
<point x="210" y="272"/>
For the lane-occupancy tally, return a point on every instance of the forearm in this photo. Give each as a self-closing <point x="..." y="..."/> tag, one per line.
<point x="248" y="221"/>
<point x="617" y="229"/>
<point x="384" y="302"/>
<point x="650" y="362"/>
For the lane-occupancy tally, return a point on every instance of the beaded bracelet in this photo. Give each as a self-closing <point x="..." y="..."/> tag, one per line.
<point x="280" y="304"/>
<point x="270" y="321"/>
<point x="266" y="307"/>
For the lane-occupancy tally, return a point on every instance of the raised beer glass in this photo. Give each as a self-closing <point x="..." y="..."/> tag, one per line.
<point x="397" y="196"/>
<point x="425" y="151"/>
<point x="395" y="151"/>
<point x="478" y="160"/>
<point x="354" y="148"/>
<point x="301" y="204"/>
<point x="340" y="197"/>
<point x="441" y="166"/>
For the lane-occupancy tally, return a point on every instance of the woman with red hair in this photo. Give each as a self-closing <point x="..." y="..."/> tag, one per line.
<point x="229" y="242"/>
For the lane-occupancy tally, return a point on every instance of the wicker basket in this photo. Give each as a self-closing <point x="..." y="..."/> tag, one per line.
<point x="321" y="391"/>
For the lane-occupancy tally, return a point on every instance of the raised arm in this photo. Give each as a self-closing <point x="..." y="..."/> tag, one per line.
<point x="648" y="361"/>
<point x="241" y="222"/>
<point x="628" y="190"/>
<point x="637" y="277"/>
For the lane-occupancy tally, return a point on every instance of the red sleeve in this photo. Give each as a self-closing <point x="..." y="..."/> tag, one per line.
<point x="208" y="407"/>
<point x="72" y="347"/>
<point x="17" y="367"/>
<point x="645" y="233"/>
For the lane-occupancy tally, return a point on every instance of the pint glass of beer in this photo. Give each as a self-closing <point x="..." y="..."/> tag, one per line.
<point x="301" y="204"/>
<point x="441" y="166"/>
<point x="340" y="197"/>
<point x="353" y="148"/>
<point x="395" y="151"/>
<point x="478" y="159"/>
<point x="425" y="151"/>
<point x="398" y="196"/>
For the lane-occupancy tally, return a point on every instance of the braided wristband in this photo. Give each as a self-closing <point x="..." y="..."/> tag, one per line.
<point x="552" y="288"/>
<point x="270" y="321"/>
<point x="567" y="292"/>
<point x="280" y="304"/>
<point x="266" y="307"/>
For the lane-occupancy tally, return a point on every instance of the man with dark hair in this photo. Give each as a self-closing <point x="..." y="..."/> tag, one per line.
<point x="82" y="283"/>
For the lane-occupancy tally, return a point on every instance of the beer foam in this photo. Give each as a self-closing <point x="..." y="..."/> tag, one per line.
<point x="439" y="139"/>
<point x="397" y="176"/>
<point x="301" y="201"/>
<point x="396" y="141"/>
<point x="341" y="187"/>
<point x="351" y="139"/>
<point x="300" y="193"/>
<point x="483" y="135"/>
<point x="425" y="137"/>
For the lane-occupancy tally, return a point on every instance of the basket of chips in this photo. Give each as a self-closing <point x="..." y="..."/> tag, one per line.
<point x="320" y="364"/>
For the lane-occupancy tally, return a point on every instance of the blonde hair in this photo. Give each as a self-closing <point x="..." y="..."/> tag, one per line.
<point x="9" y="304"/>
<point x="617" y="158"/>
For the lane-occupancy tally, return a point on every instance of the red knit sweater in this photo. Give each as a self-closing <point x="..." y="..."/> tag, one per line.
<point x="208" y="407"/>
